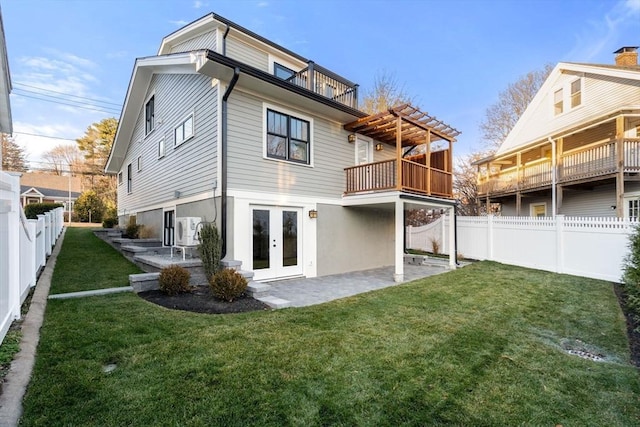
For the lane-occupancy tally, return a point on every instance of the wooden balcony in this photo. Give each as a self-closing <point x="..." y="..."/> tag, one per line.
<point x="414" y="177"/>
<point x="579" y="165"/>
<point x="326" y="83"/>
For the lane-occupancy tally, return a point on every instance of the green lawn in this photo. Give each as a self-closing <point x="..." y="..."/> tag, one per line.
<point x="478" y="346"/>
<point x="86" y="262"/>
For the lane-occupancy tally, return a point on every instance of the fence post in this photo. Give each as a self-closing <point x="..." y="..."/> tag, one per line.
<point x="559" y="243"/>
<point x="408" y="240"/>
<point x="443" y="233"/>
<point x="490" y="237"/>
<point x="13" y="237"/>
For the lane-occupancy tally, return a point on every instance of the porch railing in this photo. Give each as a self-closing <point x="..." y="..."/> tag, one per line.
<point x="326" y="83"/>
<point x="415" y="177"/>
<point x="589" y="162"/>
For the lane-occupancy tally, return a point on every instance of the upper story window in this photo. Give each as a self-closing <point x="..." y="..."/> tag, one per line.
<point x="149" y="114"/>
<point x="183" y="131"/>
<point x="281" y="71"/>
<point x="161" y="148"/>
<point x="119" y="177"/>
<point x="129" y="179"/>
<point x="288" y="137"/>
<point x="139" y="163"/>
<point x="557" y="102"/>
<point x="576" y="93"/>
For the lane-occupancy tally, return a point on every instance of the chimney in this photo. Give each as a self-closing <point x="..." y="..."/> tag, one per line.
<point x="627" y="56"/>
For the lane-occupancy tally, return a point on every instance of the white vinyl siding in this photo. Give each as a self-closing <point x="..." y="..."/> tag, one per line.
<point x="206" y="40"/>
<point x="191" y="169"/>
<point x="250" y="55"/>
<point x="249" y="170"/>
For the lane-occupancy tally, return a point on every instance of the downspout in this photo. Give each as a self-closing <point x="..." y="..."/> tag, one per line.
<point x="224" y="40"/>
<point x="223" y="162"/>
<point x="553" y="176"/>
<point x="455" y="232"/>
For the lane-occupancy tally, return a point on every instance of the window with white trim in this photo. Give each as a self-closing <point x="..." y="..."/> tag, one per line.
<point x="119" y="177"/>
<point x="538" y="209"/>
<point x="183" y="131"/>
<point x="139" y="163"/>
<point x="576" y="93"/>
<point x="288" y="138"/>
<point x="149" y="115"/>
<point x="161" y="148"/>
<point x="557" y="102"/>
<point x="633" y="209"/>
<point x="129" y="179"/>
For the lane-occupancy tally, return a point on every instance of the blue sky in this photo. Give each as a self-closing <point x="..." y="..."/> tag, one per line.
<point x="454" y="56"/>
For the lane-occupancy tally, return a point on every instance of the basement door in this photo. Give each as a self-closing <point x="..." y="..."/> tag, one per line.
<point x="169" y="228"/>
<point x="277" y="242"/>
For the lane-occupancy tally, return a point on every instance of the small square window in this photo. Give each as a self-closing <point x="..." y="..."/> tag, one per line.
<point x="288" y="137"/>
<point x="183" y="131"/>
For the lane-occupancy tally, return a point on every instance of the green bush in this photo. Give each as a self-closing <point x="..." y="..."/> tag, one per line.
<point x="174" y="280"/>
<point x="227" y="284"/>
<point x="631" y="275"/>
<point x="109" y="222"/>
<point x="210" y="249"/>
<point x="89" y="207"/>
<point x="132" y="231"/>
<point x="34" y="209"/>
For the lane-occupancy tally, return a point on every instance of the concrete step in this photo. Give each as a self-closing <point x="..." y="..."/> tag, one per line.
<point x="144" y="282"/>
<point x="258" y="290"/>
<point x="275" y="302"/>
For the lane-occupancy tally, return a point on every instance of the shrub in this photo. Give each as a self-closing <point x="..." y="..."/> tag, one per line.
<point x="631" y="275"/>
<point x="109" y="222"/>
<point x="227" y="284"/>
<point x="210" y="249"/>
<point x="146" y="232"/>
<point x="435" y="246"/>
<point x="174" y="280"/>
<point x="34" y="209"/>
<point x="132" y="231"/>
<point x="89" y="207"/>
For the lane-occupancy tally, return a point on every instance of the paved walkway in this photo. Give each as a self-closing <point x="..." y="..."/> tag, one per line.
<point x="316" y="290"/>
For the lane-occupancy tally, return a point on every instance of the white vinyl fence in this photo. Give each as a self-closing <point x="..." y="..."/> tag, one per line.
<point x="24" y="247"/>
<point x="588" y="247"/>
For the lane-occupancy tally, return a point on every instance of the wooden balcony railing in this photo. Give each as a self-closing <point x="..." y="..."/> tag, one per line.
<point x="415" y="177"/>
<point x="326" y="83"/>
<point x="580" y="164"/>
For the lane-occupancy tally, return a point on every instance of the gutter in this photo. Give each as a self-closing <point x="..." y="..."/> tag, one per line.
<point x="223" y="142"/>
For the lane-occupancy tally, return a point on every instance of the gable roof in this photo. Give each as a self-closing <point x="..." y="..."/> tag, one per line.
<point x="47" y="193"/>
<point x="515" y="140"/>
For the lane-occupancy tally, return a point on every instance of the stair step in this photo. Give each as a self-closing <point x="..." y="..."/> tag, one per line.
<point x="275" y="302"/>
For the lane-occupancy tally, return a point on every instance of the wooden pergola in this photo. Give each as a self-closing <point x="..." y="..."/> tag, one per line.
<point x="406" y="126"/>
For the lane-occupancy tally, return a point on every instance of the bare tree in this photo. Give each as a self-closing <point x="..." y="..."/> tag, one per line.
<point x="13" y="156"/>
<point x="502" y="116"/>
<point x="63" y="158"/>
<point x="385" y="93"/>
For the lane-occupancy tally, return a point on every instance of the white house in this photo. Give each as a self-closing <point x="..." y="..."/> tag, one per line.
<point x="225" y="126"/>
<point x="576" y="148"/>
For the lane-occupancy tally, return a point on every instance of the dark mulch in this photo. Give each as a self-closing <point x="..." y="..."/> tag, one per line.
<point x="200" y="300"/>
<point x="633" y="326"/>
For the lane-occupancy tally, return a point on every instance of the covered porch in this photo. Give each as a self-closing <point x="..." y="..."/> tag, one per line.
<point x="399" y="203"/>
<point x="423" y="161"/>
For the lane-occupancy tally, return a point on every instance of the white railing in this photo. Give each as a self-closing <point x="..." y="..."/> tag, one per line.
<point x="588" y="247"/>
<point x="24" y="246"/>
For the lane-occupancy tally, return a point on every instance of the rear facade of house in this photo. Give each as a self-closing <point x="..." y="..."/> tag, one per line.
<point x="576" y="149"/>
<point x="227" y="127"/>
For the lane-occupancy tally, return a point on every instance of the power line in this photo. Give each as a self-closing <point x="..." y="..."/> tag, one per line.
<point x="60" y="98"/>
<point x="66" y="94"/>
<point x="113" y="111"/>
<point x="45" y="136"/>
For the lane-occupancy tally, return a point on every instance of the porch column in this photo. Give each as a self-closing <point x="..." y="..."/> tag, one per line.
<point x="620" y="167"/>
<point x="398" y="276"/>
<point x="452" y="238"/>
<point x="399" y="153"/>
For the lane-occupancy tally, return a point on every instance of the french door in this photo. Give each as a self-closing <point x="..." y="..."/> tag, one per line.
<point x="276" y="242"/>
<point x="169" y="228"/>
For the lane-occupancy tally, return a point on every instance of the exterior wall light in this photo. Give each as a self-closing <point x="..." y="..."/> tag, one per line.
<point x="351" y="138"/>
<point x="313" y="214"/>
<point x="378" y="147"/>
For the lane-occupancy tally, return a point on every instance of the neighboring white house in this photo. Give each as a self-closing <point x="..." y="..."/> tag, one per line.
<point x="576" y="149"/>
<point x="226" y="126"/>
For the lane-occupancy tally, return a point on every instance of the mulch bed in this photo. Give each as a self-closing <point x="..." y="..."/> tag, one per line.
<point x="200" y="300"/>
<point x="633" y="326"/>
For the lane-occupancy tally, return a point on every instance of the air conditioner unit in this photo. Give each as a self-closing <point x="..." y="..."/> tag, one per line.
<point x="186" y="233"/>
